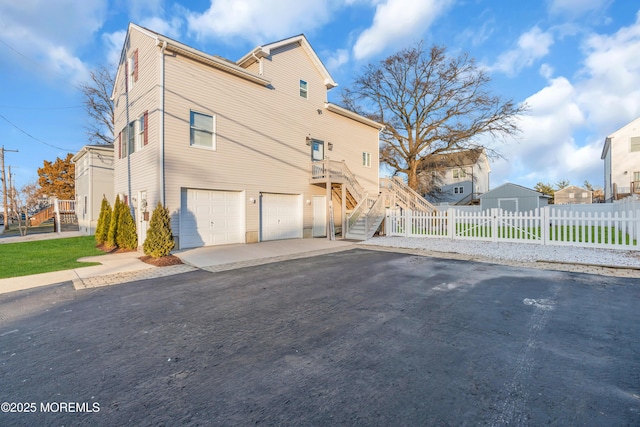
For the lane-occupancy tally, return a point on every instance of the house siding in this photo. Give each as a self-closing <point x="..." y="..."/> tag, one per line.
<point x="620" y="160"/>
<point x="142" y="165"/>
<point x="260" y="132"/>
<point x="94" y="180"/>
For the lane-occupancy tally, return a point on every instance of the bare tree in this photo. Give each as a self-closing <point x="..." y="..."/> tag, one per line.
<point x="98" y="105"/>
<point x="429" y="103"/>
<point x="25" y="202"/>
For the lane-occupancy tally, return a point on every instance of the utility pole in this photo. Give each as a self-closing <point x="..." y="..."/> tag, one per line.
<point x="4" y="187"/>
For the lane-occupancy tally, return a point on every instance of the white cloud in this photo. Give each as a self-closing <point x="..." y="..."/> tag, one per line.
<point x="49" y="33"/>
<point x="610" y="79"/>
<point x="575" y="8"/>
<point x="338" y="58"/>
<point x="532" y="45"/>
<point x="258" y="20"/>
<point x="168" y="28"/>
<point x="114" y="42"/>
<point x="563" y="134"/>
<point x="398" y="21"/>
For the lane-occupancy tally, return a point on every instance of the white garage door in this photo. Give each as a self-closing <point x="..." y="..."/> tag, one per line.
<point x="281" y="216"/>
<point x="211" y="218"/>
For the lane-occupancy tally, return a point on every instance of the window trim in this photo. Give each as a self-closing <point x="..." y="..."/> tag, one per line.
<point x="304" y="89"/>
<point x="212" y="132"/>
<point x="366" y="159"/>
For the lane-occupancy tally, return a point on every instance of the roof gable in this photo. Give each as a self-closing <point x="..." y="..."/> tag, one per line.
<point x="515" y="187"/>
<point x="267" y="49"/>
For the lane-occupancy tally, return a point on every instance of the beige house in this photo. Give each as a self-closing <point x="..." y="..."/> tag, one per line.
<point x="94" y="180"/>
<point x="573" y="195"/>
<point x="621" y="155"/>
<point x="239" y="152"/>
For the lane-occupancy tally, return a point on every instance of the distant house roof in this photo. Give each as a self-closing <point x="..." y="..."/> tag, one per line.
<point x="452" y="159"/>
<point x="92" y="147"/>
<point x="513" y="188"/>
<point x="570" y="189"/>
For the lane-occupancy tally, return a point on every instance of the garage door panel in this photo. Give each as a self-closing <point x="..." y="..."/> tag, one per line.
<point x="281" y="216"/>
<point x="211" y="218"/>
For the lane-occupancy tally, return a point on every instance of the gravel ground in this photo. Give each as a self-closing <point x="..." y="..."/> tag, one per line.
<point x="518" y="252"/>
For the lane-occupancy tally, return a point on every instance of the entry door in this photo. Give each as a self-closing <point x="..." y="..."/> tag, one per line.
<point x="319" y="216"/>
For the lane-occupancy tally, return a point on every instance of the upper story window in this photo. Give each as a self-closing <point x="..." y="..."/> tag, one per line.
<point x="366" y="159"/>
<point x="304" y="89"/>
<point x="459" y="173"/>
<point x="132" y="69"/>
<point x="202" y="131"/>
<point x="635" y="143"/>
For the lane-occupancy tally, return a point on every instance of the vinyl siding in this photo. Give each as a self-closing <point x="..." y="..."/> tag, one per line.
<point x="143" y="164"/>
<point x="260" y="132"/>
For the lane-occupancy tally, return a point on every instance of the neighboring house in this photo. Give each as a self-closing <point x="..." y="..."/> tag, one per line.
<point x="94" y="181"/>
<point x="458" y="177"/>
<point x="228" y="147"/>
<point x="573" y="195"/>
<point x="513" y="198"/>
<point x="621" y="155"/>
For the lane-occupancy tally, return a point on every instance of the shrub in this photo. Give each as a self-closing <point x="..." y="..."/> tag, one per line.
<point x="104" y="221"/>
<point x="113" y="225"/>
<point x="159" y="241"/>
<point x="126" y="237"/>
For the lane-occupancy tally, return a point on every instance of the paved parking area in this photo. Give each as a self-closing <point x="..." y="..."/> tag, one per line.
<point x="357" y="337"/>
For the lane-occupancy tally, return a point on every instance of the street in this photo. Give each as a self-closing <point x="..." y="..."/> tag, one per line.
<point x="359" y="337"/>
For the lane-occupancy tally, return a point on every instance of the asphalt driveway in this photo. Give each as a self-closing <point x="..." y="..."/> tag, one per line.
<point x="352" y="338"/>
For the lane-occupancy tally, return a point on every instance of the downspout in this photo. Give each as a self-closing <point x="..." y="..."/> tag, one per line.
<point x="161" y="124"/>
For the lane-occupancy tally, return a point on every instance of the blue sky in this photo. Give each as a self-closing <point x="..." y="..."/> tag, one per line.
<point x="576" y="63"/>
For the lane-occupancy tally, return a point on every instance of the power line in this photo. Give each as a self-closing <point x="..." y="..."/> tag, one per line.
<point x="31" y="136"/>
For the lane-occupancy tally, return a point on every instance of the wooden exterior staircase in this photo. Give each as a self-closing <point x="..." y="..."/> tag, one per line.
<point x="365" y="211"/>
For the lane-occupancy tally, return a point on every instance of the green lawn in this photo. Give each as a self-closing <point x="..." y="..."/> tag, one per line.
<point x="43" y="256"/>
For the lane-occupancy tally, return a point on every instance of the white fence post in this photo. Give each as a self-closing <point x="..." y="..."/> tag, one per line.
<point x="494" y="224"/>
<point x="545" y="224"/>
<point x="56" y="210"/>
<point x="451" y="223"/>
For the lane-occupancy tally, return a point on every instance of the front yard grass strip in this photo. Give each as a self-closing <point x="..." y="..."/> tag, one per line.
<point x="44" y="256"/>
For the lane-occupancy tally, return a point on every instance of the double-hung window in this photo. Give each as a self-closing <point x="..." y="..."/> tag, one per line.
<point x="140" y="133"/>
<point x="304" y="89"/>
<point x="366" y="159"/>
<point x="131" y="140"/>
<point x="202" y="131"/>
<point x="635" y="143"/>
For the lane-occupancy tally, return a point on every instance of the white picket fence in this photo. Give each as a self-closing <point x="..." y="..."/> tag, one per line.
<point x="546" y="226"/>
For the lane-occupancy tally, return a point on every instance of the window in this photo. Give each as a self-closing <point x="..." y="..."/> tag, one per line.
<point x="636" y="176"/>
<point x="317" y="150"/>
<point x="304" y="90"/>
<point x="132" y="69"/>
<point x="131" y="140"/>
<point x="141" y="131"/>
<point x="635" y="143"/>
<point x="458" y="190"/>
<point x="459" y="173"/>
<point x="366" y="159"/>
<point x="585" y="195"/>
<point x="572" y="195"/>
<point x="202" y="134"/>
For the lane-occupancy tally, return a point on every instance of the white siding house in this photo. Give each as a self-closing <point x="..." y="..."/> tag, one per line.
<point x="458" y="177"/>
<point x="94" y="180"/>
<point x="229" y="147"/>
<point x="621" y="155"/>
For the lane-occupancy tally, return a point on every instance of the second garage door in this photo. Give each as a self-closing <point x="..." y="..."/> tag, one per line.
<point x="211" y="218"/>
<point x="281" y="216"/>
